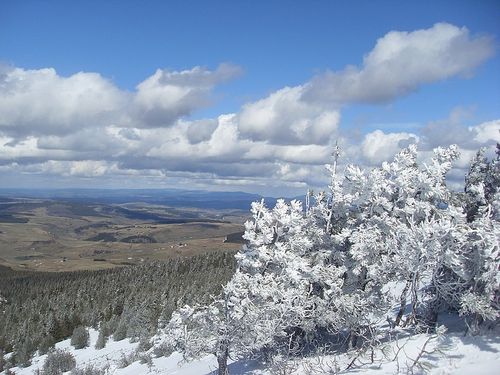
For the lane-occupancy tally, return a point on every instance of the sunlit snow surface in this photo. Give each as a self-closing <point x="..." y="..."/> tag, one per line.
<point x="460" y="356"/>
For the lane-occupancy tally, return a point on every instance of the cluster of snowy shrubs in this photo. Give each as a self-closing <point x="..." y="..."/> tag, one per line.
<point x="382" y="248"/>
<point x="60" y="361"/>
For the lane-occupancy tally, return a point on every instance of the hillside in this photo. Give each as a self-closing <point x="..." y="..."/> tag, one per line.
<point x="459" y="356"/>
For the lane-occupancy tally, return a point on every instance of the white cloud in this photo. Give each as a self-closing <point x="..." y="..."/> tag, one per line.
<point x="81" y="168"/>
<point x="85" y="140"/>
<point x="453" y="131"/>
<point x="201" y="130"/>
<point x="487" y="132"/>
<point x="166" y="96"/>
<point x="84" y="126"/>
<point x="27" y="151"/>
<point x="400" y="63"/>
<point x="378" y="146"/>
<point x="283" y="118"/>
<point x="40" y="102"/>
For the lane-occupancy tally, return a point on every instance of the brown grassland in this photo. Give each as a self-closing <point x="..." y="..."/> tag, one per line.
<point x="46" y="235"/>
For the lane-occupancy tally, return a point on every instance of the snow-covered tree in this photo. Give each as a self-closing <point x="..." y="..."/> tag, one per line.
<point x="280" y="294"/>
<point x="375" y="240"/>
<point x="102" y="338"/>
<point x="480" y="261"/>
<point x="80" y="338"/>
<point x="378" y="219"/>
<point x="58" y="361"/>
<point x="398" y="225"/>
<point x="482" y="184"/>
<point x="479" y="269"/>
<point x="289" y="266"/>
<point x="474" y="184"/>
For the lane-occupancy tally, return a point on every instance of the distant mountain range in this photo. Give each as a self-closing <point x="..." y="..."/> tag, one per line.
<point x="167" y="197"/>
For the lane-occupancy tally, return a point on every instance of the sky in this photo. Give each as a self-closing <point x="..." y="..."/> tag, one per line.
<point x="239" y="95"/>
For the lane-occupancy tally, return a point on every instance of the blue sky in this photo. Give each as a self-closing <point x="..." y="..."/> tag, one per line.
<point x="267" y="45"/>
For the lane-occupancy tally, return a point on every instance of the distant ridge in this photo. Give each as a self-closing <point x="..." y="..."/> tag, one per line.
<point x="167" y="197"/>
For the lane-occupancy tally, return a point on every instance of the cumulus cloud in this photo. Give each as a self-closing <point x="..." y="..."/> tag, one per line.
<point x="129" y="133"/>
<point x="83" y="168"/>
<point x="83" y="126"/>
<point x="40" y="102"/>
<point x="201" y="130"/>
<point x="487" y="132"/>
<point x="166" y="96"/>
<point x="400" y="63"/>
<point x="453" y="130"/>
<point x="27" y="151"/>
<point x="91" y="140"/>
<point x="378" y="146"/>
<point x="43" y="103"/>
<point x="283" y="118"/>
<point x="303" y="154"/>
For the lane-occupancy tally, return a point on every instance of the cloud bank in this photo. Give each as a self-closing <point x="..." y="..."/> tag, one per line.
<point x="85" y="126"/>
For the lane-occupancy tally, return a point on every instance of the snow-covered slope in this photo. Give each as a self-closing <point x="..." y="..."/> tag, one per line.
<point x="457" y="355"/>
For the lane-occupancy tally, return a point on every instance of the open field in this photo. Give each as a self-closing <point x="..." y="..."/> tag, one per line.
<point x="56" y="235"/>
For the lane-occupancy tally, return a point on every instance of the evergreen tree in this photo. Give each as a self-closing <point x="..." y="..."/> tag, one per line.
<point x="482" y="184"/>
<point x="46" y="343"/>
<point x="120" y="332"/>
<point x="58" y="362"/>
<point x="282" y="290"/>
<point x="80" y="337"/>
<point x="335" y="266"/>
<point x="102" y="338"/>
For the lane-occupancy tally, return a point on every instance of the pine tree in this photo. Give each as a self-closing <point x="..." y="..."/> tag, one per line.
<point x="102" y="338"/>
<point x="80" y="337"/>
<point x="335" y="266"/>
<point x="120" y="332"/>
<point x="479" y="268"/>
<point x="58" y="362"/>
<point x="281" y="292"/>
<point x="474" y="184"/>
<point x="46" y="343"/>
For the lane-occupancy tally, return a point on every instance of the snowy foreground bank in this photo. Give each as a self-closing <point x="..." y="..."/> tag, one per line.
<point x="451" y="354"/>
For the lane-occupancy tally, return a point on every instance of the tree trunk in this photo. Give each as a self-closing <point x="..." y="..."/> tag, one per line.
<point x="430" y="312"/>
<point x="352" y="340"/>
<point x="412" y="319"/>
<point x="402" y="304"/>
<point x="222" y="361"/>
<point x="223" y="350"/>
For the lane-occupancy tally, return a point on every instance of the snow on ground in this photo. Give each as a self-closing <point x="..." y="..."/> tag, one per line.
<point x="458" y="355"/>
<point x="111" y="354"/>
